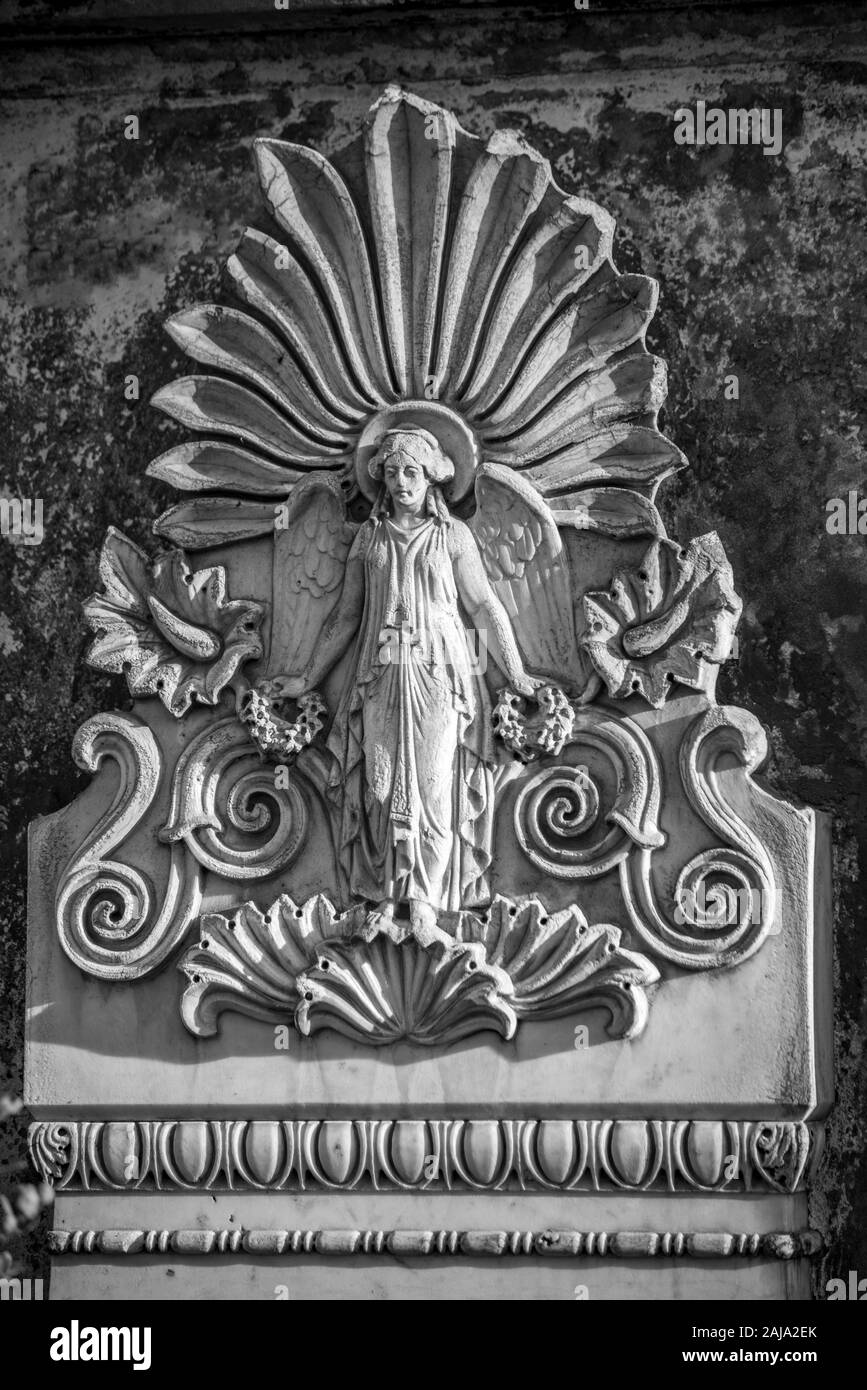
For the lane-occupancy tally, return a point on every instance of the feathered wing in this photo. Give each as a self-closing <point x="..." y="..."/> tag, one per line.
<point x="524" y="557"/>
<point x="311" y="543"/>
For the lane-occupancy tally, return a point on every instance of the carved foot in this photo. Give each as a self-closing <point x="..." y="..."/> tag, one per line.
<point x="423" y="921"/>
<point x="381" y="919"/>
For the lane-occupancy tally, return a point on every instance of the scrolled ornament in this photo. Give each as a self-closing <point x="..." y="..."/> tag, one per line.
<point x="221" y="767"/>
<point x="107" y="916"/>
<point x="725" y="897"/>
<point x="49" y="1147"/>
<point x="555" y="808"/>
<point x="560" y="819"/>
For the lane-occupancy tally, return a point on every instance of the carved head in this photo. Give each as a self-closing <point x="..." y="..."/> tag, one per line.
<point x="409" y="462"/>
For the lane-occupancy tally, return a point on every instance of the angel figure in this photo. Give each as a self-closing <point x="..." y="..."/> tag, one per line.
<point x="414" y="761"/>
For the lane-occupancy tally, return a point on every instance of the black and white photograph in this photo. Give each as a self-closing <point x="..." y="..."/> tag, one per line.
<point x="433" y="633"/>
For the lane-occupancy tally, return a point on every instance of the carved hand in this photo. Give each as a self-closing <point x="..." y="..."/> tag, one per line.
<point x="527" y="685"/>
<point x="283" y="687"/>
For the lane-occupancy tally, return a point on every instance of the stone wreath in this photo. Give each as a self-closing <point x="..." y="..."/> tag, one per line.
<point x="274" y="736"/>
<point x="544" y="732"/>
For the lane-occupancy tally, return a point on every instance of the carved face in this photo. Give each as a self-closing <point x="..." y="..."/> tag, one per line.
<point x="405" y="480"/>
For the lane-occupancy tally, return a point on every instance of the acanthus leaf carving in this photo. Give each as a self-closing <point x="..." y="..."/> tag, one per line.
<point x="381" y="991"/>
<point x="669" y="619"/>
<point x="558" y="964"/>
<point x="171" y="632"/>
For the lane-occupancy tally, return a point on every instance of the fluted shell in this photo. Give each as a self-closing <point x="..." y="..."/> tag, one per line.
<point x="425" y="265"/>
<point x="328" y="970"/>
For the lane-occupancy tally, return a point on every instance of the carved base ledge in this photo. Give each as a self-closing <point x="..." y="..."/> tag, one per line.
<point x="709" y="1156"/>
<point x="706" y="1245"/>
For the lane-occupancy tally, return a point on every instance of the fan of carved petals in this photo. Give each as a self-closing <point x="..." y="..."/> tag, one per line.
<point x="423" y="263"/>
<point x="333" y="970"/>
<point x="558" y="964"/>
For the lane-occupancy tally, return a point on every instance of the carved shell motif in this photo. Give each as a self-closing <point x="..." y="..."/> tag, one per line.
<point x="423" y="264"/>
<point x="330" y="970"/>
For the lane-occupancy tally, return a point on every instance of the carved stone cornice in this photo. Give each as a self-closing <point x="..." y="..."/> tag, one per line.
<point x="625" y="1245"/>
<point x="707" y="1156"/>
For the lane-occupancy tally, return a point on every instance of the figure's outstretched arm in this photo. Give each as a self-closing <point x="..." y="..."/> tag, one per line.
<point x="489" y="616"/>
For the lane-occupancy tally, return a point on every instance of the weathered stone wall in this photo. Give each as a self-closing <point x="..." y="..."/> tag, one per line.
<point x="762" y="273"/>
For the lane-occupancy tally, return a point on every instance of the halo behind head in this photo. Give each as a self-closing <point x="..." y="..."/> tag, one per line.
<point x="434" y="435"/>
<point x="419" y="445"/>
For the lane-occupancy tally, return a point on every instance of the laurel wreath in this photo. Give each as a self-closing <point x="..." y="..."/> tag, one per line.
<point x="282" y="738"/>
<point x="543" y="733"/>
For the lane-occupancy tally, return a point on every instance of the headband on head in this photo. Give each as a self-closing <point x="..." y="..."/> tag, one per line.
<point x="421" y="446"/>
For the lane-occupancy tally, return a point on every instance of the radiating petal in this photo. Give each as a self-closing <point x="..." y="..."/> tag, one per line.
<point x="234" y="342"/>
<point x="503" y="190"/>
<point x="271" y="280"/>
<point x="313" y="205"/>
<point x="611" y="511"/>
<point x="408" y="148"/>
<point x="211" y="403"/>
<point x="619" y="453"/>
<point x="631" y="386"/>
<point x="586" y="331"/>
<point x="568" y="245"/>
<point x="211" y="464"/>
<point x="205" y="521"/>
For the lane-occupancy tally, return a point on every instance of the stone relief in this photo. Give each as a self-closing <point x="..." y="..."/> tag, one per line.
<point x="436" y="418"/>
<point x="628" y="1245"/>
<point x="486" y="1155"/>
<point x="671" y="618"/>
<point x="379" y="983"/>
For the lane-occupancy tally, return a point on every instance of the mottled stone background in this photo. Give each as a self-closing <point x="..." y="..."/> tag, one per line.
<point x="762" y="272"/>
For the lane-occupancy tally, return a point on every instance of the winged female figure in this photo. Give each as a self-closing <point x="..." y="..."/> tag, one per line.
<point x="414" y="764"/>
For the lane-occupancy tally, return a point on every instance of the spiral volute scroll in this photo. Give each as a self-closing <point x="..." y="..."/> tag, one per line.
<point x="569" y="824"/>
<point x="222" y="791"/>
<point x="107" y="916"/>
<point x="725" y="899"/>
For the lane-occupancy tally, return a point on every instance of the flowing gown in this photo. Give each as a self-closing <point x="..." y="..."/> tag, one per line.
<point x="411" y="735"/>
